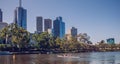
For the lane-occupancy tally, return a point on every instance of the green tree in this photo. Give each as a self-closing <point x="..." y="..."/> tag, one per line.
<point x="15" y="35"/>
<point x="43" y="40"/>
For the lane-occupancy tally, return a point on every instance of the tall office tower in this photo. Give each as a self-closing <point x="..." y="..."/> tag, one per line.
<point x="1" y="15"/>
<point x="21" y="16"/>
<point x="73" y="32"/>
<point x="59" y="27"/>
<point x="39" y="24"/>
<point x="47" y="24"/>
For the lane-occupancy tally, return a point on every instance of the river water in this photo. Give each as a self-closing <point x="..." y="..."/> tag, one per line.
<point x="84" y="58"/>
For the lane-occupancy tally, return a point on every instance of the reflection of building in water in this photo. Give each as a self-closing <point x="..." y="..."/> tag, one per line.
<point x="14" y="58"/>
<point x="23" y="59"/>
<point x="5" y="59"/>
<point x="84" y="62"/>
<point x="104" y="59"/>
<point x="110" y="60"/>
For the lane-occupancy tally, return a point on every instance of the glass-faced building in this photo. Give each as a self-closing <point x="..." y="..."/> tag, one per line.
<point x="111" y="41"/>
<point x="73" y="31"/>
<point x="59" y="27"/>
<point x="0" y="15"/>
<point x="21" y="16"/>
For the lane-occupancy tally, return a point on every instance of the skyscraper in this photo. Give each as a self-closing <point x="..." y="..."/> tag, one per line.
<point x="47" y="24"/>
<point x="0" y="15"/>
<point x="59" y="27"/>
<point x="21" y="16"/>
<point x="39" y="24"/>
<point x="73" y="32"/>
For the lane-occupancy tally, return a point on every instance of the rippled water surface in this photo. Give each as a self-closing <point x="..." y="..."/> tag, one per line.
<point x="84" y="58"/>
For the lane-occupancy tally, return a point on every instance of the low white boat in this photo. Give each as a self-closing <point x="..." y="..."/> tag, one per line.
<point x="67" y="56"/>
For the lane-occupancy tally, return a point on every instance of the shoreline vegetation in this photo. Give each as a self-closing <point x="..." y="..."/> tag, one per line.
<point x="16" y="40"/>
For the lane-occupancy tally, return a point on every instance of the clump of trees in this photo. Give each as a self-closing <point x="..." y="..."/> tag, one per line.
<point x="14" y="36"/>
<point x="48" y="42"/>
<point x="84" y="37"/>
<point x="45" y="41"/>
<point x="107" y="47"/>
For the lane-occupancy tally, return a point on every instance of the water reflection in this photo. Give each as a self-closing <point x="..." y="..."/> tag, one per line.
<point x="108" y="59"/>
<point x="14" y="58"/>
<point x="85" y="58"/>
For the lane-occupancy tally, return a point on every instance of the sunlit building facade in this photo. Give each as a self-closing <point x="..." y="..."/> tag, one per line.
<point x="72" y="33"/>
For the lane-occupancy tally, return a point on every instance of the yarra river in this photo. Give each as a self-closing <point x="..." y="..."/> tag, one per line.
<point x="82" y="58"/>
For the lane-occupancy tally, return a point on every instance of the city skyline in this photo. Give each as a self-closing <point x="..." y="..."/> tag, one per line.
<point x="98" y="18"/>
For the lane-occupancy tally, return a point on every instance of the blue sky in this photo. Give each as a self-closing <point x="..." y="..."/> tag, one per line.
<point x="100" y="19"/>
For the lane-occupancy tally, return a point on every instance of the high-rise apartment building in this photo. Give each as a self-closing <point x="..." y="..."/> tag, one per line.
<point x="73" y="32"/>
<point x="39" y="24"/>
<point x="59" y="27"/>
<point x="1" y="15"/>
<point x="47" y="24"/>
<point x="21" y="16"/>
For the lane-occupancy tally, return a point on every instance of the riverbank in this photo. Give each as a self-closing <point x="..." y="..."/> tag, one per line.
<point x="39" y="52"/>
